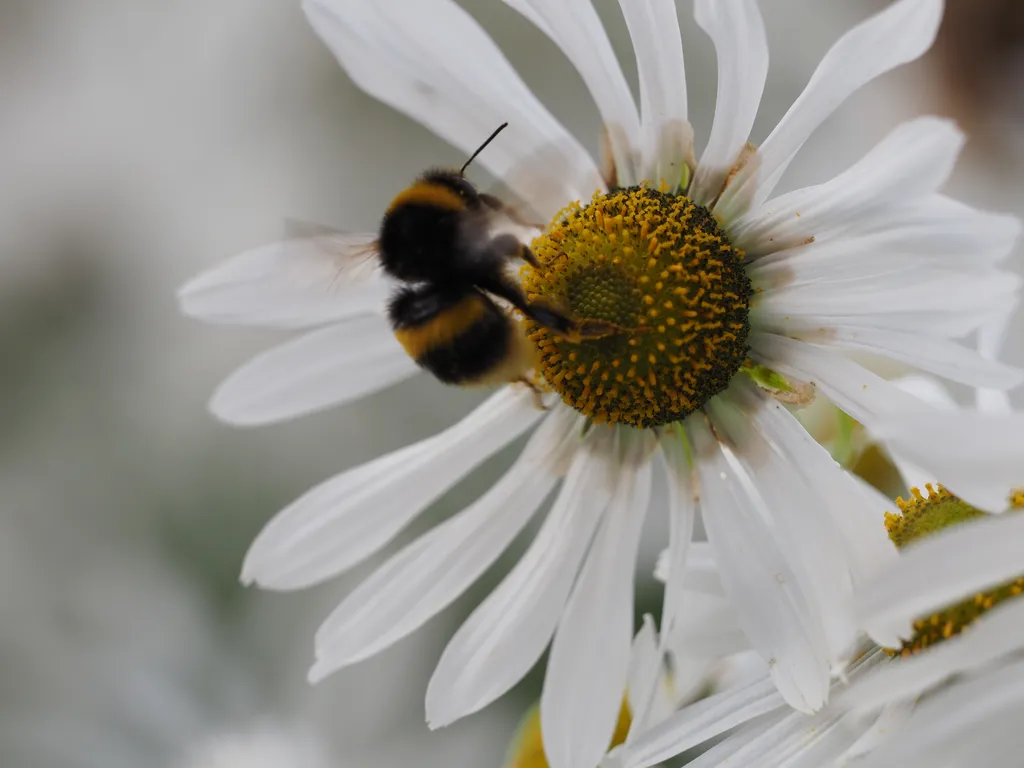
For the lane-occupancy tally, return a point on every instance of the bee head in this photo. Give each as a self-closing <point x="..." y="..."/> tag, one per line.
<point x="451" y="180"/>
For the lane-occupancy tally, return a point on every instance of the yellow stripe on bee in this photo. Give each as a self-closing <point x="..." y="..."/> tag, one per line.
<point x="428" y="193"/>
<point x="443" y="328"/>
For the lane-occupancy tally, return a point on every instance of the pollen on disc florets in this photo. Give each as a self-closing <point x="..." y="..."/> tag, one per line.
<point x="657" y="269"/>
<point x="923" y="515"/>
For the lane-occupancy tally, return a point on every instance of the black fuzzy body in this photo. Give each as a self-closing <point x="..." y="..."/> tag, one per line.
<point x="467" y="355"/>
<point x="424" y="242"/>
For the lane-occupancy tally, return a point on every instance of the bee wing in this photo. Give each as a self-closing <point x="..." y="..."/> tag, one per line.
<point x="314" y="276"/>
<point x="352" y="257"/>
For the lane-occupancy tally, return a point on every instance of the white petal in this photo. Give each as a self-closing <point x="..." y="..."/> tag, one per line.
<point x="950" y="447"/>
<point x="913" y="160"/>
<point x="895" y="36"/>
<point x="700" y="571"/>
<point x="508" y="632"/>
<point x="946" y="223"/>
<point x="929" y="323"/>
<point x="794" y="739"/>
<point x="936" y="395"/>
<point x="991" y="400"/>
<point x="811" y="744"/>
<point x="757" y="579"/>
<point x="322" y="369"/>
<point x="667" y="136"/>
<point x="975" y="722"/>
<point x="346" y="519"/>
<point x="840" y="261"/>
<point x="942" y="357"/>
<point x="934" y="232"/>
<point x="383" y="48"/>
<point x="589" y="662"/>
<point x="847" y="260"/>
<point x="858" y="514"/>
<point x="929" y="292"/>
<point x="810" y="542"/>
<point x="998" y="633"/>
<point x="574" y="26"/>
<point x="682" y="513"/>
<point x="430" y="573"/>
<point x="992" y="335"/>
<point x="706" y="627"/>
<point x="645" y="678"/>
<point x="942" y="569"/>
<point x="977" y="456"/>
<point x="991" y="340"/>
<point x="868" y="398"/>
<point x="663" y="565"/>
<point x="889" y="720"/>
<point x="775" y="746"/>
<point x="741" y="47"/>
<point x="699" y="722"/>
<point x="723" y="753"/>
<point x="292" y="284"/>
<point x="927" y="389"/>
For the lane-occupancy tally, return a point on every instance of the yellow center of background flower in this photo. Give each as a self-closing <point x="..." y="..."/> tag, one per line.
<point x="922" y="516"/>
<point x="656" y="268"/>
<point x="527" y="750"/>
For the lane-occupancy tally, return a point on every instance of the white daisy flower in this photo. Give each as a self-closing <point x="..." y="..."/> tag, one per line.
<point x="959" y="685"/>
<point x="719" y="291"/>
<point x="949" y="691"/>
<point x="955" y="697"/>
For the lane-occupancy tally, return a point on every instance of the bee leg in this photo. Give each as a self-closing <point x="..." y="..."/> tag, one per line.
<point x="547" y="316"/>
<point x="538" y="395"/>
<point x="529" y="256"/>
<point x="509" y="247"/>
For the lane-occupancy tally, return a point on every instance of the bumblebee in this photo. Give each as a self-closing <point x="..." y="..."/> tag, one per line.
<point x="436" y="239"/>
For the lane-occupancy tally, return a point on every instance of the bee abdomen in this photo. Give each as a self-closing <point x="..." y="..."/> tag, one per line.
<point x="460" y="339"/>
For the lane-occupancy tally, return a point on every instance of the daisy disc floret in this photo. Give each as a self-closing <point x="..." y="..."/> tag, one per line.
<point x="658" y="268"/>
<point x="925" y="514"/>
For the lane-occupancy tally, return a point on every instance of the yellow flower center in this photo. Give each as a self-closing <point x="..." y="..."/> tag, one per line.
<point x="923" y="515"/>
<point x="657" y="268"/>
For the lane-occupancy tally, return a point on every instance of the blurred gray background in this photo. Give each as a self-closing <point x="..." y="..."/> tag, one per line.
<point x="141" y="141"/>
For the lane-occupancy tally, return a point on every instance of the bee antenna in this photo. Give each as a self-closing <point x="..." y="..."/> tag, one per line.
<point x="481" y="148"/>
